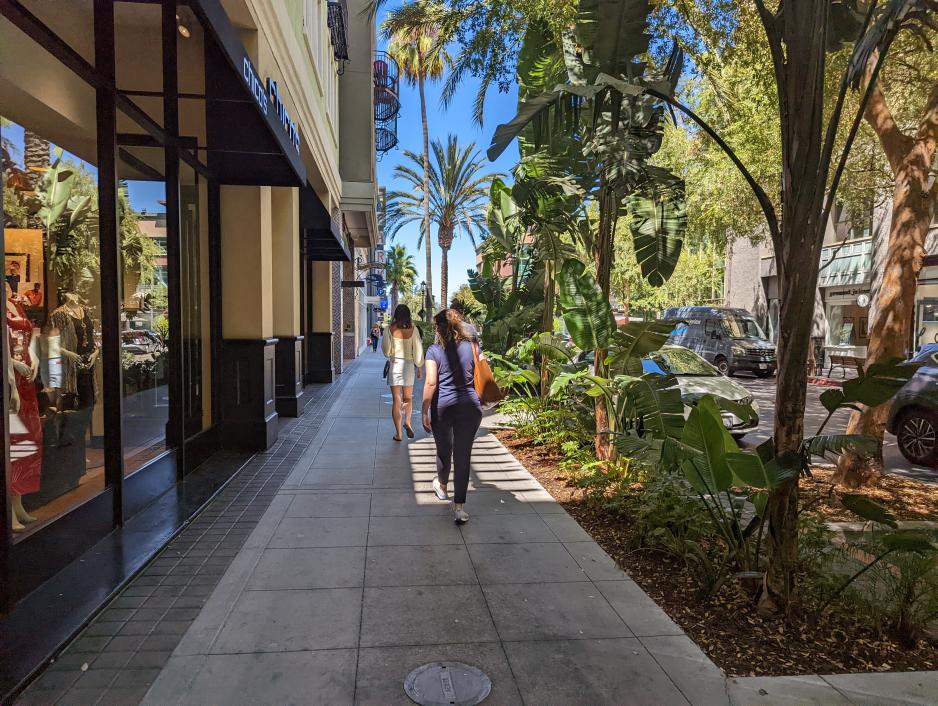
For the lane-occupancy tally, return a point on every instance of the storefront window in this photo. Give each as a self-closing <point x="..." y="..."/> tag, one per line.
<point x="847" y="325"/>
<point x="53" y="288"/>
<point x="145" y="304"/>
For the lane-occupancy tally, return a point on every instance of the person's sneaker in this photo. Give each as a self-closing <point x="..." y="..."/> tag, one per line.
<point x="439" y="489"/>
<point x="461" y="517"/>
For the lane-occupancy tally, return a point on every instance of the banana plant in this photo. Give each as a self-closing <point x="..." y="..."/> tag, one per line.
<point x="586" y="310"/>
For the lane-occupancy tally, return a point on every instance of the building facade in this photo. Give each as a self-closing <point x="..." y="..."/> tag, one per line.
<point x="850" y="275"/>
<point x="186" y="187"/>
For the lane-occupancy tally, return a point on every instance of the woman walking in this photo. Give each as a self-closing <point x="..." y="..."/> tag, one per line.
<point x="451" y="407"/>
<point x="402" y="346"/>
<point x="374" y="336"/>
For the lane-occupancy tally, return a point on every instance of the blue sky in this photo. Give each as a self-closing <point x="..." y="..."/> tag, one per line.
<point x="457" y="119"/>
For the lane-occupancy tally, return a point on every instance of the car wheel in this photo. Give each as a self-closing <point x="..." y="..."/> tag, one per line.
<point x="763" y="373"/>
<point x="917" y="434"/>
<point x="722" y="365"/>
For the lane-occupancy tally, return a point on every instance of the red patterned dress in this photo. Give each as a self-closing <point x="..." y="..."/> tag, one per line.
<point x="26" y="426"/>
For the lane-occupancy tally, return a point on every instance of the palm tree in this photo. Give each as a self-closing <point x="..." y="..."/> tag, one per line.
<point x="418" y="33"/>
<point x="399" y="271"/>
<point x="458" y="198"/>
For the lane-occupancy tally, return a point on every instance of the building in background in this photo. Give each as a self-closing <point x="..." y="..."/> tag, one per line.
<point x="219" y="157"/>
<point x="848" y="280"/>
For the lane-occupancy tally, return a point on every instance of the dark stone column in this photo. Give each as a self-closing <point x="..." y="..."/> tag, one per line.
<point x="289" y="376"/>
<point x="248" y="391"/>
<point x="319" y="349"/>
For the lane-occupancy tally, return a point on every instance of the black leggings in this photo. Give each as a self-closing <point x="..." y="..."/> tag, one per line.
<point x="454" y="429"/>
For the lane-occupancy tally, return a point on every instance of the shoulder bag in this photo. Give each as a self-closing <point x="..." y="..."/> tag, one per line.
<point x="483" y="380"/>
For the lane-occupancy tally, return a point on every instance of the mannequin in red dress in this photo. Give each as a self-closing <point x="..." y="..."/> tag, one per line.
<point x="25" y="425"/>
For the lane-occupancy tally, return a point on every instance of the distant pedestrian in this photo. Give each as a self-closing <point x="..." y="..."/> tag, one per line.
<point x="470" y="330"/>
<point x="403" y="348"/>
<point x="451" y="407"/>
<point x="375" y="335"/>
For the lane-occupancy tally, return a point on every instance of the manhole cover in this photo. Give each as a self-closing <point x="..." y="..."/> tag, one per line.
<point x="447" y="684"/>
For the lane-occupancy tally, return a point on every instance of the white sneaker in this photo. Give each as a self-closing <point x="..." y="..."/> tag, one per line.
<point x="439" y="489"/>
<point x="461" y="517"/>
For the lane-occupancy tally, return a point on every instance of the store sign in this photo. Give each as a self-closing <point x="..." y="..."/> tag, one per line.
<point x="844" y="295"/>
<point x="264" y="97"/>
<point x="289" y="125"/>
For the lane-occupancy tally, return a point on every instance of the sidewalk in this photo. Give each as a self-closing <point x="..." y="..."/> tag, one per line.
<point x="355" y="575"/>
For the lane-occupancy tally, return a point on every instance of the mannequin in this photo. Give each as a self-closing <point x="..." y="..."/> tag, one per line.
<point x="25" y="422"/>
<point x="78" y="350"/>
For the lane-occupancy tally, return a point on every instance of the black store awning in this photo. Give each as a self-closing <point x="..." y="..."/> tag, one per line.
<point x="322" y="235"/>
<point x="248" y="143"/>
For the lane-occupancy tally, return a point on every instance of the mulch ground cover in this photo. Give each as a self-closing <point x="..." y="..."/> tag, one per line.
<point x="726" y="626"/>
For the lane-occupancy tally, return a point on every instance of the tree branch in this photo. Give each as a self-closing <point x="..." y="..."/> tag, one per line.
<point x="895" y="143"/>
<point x="848" y="144"/>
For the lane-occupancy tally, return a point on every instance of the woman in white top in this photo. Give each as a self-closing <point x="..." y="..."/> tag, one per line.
<point x="401" y="344"/>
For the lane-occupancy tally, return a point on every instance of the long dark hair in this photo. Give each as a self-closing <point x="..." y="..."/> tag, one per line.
<point x="449" y="328"/>
<point x="401" y="317"/>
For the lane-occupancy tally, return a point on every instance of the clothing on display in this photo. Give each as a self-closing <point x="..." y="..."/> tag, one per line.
<point x="26" y="425"/>
<point x="76" y="335"/>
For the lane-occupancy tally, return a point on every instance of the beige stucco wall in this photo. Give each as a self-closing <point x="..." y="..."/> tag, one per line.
<point x="285" y="257"/>
<point x="246" y="253"/>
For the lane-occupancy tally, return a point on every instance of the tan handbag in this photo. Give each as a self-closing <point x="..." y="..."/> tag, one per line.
<point x="483" y="380"/>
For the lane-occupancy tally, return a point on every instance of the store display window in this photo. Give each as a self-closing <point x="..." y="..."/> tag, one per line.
<point x="847" y="325"/>
<point x="53" y="326"/>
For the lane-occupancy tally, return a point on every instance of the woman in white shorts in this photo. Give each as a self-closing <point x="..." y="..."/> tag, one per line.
<point x="402" y="346"/>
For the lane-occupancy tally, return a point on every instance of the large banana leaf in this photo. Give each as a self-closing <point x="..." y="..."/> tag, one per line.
<point x="503" y="216"/>
<point x="832" y="445"/>
<point x="873" y="386"/>
<point x="708" y="471"/>
<point x="586" y="311"/>
<point x="528" y="110"/>
<point x="656" y="400"/>
<point x="658" y="224"/>
<point x="612" y="35"/>
<point x="868" y="509"/>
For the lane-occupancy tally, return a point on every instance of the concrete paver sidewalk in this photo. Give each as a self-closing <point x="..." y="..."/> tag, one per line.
<point x="356" y="574"/>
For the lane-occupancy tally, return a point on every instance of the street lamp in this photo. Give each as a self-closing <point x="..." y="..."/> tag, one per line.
<point x="423" y="295"/>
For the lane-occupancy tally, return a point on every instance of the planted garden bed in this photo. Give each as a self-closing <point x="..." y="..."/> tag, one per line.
<point x="726" y="624"/>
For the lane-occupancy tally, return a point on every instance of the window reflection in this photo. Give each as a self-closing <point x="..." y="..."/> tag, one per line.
<point x="145" y="307"/>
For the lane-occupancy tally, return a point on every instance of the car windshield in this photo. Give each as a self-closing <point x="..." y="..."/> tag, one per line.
<point x="743" y="328"/>
<point x="680" y="362"/>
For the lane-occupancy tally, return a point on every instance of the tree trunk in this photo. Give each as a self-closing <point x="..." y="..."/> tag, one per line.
<point x="603" y="254"/>
<point x="797" y="41"/>
<point x="913" y="207"/>
<point x="393" y="296"/>
<point x="444" y="275"/>
<point x="428" y="275"/>
<point x="547" y="323"/>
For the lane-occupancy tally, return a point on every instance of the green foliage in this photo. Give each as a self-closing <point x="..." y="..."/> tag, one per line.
<point x="586" y="311"/>
<point x="658" y="223"/>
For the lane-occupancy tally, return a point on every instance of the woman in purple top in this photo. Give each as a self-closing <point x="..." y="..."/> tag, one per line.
<point x="451" y="408"/>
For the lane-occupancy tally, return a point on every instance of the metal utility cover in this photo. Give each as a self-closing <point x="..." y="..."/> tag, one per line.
<point x="447" y="684"/>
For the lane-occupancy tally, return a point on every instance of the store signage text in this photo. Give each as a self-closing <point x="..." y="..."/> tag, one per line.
<point x="845" y="294"/>
<point x="289" y="125"/>
<point x="265" y="96"/>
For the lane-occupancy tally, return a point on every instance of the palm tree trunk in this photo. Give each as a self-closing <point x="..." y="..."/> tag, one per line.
<point x="547" y="323"/>
<point x="393" y="296"/>
<point x="444" y="275"/>
<point x="428" y="275"/>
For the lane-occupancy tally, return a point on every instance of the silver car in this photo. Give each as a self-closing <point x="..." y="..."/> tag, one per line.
<point x="696" y="378"/>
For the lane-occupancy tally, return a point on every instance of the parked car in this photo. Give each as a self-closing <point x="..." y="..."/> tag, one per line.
<point x="696" y="378"/>
<point x="913" y="417"/>
<point x="729" y="338"/>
